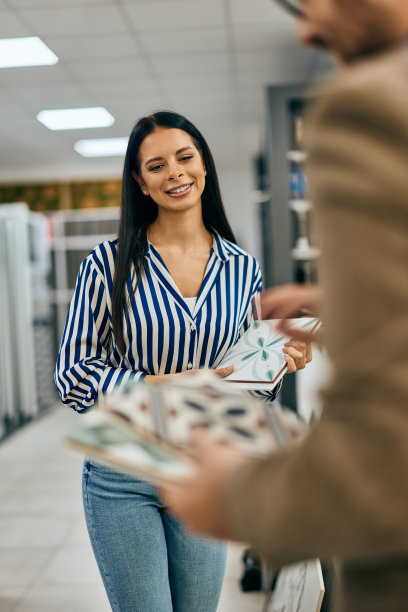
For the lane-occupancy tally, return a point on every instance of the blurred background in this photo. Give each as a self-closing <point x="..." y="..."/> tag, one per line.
<point x="234" y="69"/>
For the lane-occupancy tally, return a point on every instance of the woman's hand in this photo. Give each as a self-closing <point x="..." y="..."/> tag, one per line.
<point x="297" y="354"/>
<point x="162" y="378"/>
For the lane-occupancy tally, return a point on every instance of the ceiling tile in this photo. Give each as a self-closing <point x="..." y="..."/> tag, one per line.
<point x="192" y="65"/>
<point x="250" y="81"/>
<point x="113" y="71"/>
<point x="213" y="105"/>
<point x="199" y="83"/>
<point x="184" y="41"/>
<point x="259" y="12"/>
<point x="39" y="4"/>
<point x="164" y="15"/>
<point x="65" y="95"/>
<point x="264" y="37"/>
<point x="266" y="63"/>
<point x="99" y="19"/>
<point x="86" y="48"/>
<point x="125" y="89"/>
<point x="11" y="25"/>
<point x="36" y="75"/>
<point x="126" y="114"/>
<point x="13" y="110"/>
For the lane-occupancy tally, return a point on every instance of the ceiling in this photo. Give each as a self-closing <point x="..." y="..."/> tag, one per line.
<point x="207" y="59"/>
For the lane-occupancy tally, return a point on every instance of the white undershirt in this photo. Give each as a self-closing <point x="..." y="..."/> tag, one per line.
<point x="191" y="302"/>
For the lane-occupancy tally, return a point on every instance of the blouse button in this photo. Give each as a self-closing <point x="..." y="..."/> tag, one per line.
<point x="189" y="366"/>
<point x="193" y="327"/>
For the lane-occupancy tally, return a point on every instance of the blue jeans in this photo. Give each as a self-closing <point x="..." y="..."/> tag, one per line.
<point x="147" y="561"/>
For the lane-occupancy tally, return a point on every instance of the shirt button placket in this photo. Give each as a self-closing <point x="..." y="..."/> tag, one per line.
<point x="193" y="329"/>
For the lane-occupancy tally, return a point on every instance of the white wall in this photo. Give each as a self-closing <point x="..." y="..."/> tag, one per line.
<point x="236" y="187"/>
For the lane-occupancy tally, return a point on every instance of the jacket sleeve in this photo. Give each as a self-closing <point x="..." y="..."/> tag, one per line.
<point x="85" y="367"/>
<point x="343" y="491"/>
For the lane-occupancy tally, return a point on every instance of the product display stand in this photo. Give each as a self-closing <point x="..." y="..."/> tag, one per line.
<point x="74" y="234"/>
<point x="18" y="385"/>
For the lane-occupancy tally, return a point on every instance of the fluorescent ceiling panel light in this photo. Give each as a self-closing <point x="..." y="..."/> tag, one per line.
<point x="26" y="51"/>
<point x="101" y="147"/>
<point x="76" y="118"/>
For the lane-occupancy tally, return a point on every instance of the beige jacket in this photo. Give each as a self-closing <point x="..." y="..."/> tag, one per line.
<point x="344" y="491"/>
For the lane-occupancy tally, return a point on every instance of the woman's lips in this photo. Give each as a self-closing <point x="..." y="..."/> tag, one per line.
<point x="178" y="194"/>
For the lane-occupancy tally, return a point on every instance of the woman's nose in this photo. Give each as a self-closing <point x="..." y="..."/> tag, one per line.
<point x="175" y="172"/>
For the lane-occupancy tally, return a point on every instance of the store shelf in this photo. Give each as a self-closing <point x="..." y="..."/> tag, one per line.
<point x="74" y="234"/>
<point x="300" y="206"/>
<point x="297" y="157"/>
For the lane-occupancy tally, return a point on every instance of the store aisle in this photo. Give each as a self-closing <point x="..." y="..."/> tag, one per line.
<point x="46" y="562"/>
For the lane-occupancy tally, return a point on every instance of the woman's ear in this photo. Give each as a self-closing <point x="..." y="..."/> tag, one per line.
<point x="139" y="181"/>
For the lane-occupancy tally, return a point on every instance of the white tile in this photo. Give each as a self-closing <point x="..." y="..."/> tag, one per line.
<point x="86" y="48"/>
<point x="128" y="111"/>
<point x="233" y="599"/>
<point x="10" y="597"/>
<point x="108" y="70"/>
<point x="78" y="534"/>
<point x="200" y="83"/>
<point x="235" y="566"/>
<point x="78" y="598"/>
<point x="258" y="12"/>
<point x="259" y="62"/>
<point x="165" y="15"/>
<point x="185" y="41"/>
<point x="51" y="3"/>
<point x="72" y="565"/>
<point x="36" y="75"/>
<point x="65" y="95"/>
<point x="264" y="37"/>
<point x="10" y="26"/>
<point x="129" y="89"/>
<point x="32" y="532"/>
<point x="22" y="566"/>
<point x="99" y="19"/>
<point x="42" y="503"/>
<point x="196" y="64"/>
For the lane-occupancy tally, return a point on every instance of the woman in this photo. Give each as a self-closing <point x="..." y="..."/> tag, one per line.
<point x="170" y="295"/>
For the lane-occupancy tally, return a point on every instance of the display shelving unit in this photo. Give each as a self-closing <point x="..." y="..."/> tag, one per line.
<point x="288" y="234"/>
<point x="74" y="234"/>
<point x="26" y="387"/>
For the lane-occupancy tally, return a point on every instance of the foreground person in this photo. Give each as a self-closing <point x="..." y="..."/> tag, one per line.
<point x="343" y="492"/>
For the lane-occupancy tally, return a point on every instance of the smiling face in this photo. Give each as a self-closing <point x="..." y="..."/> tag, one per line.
<point x="352" y="28"/>
<point x="172" y="171"/>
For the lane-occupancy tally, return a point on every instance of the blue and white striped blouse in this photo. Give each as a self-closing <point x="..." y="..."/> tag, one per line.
<point x="161" y="334"/>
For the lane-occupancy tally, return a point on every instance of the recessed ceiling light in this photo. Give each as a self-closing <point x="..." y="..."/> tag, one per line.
<point x="26" y="51"/>
<point x="76" y="118"/>
<point x="101" y="147"/>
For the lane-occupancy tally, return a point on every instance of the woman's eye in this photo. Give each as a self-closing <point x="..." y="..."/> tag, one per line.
<point x="155" y="168"/>
<point x="186" y="157"/>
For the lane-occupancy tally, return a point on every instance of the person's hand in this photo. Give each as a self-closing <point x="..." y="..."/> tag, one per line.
<point x="297" y="354"/>
<point x="162" y="378"/>
<point x="288" y="301"/>
<point x="196" y="500"/>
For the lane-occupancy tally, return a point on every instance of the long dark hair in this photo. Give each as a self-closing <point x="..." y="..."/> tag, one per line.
<point x="139" y="211"/>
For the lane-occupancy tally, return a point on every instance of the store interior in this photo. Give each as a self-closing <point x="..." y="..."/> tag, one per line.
<point x="233" y="68"/>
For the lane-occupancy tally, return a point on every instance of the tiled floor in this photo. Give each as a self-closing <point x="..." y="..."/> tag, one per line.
<point x="46" y="562"/>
